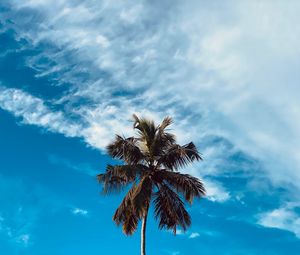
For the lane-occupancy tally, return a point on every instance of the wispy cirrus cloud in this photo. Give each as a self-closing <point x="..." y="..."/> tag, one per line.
<point x="285" y="218"/>
<point x="34" y="111"/>
<point x="24" y="239"/>
<point x="215" y="191"/>
<point x="79" y="211"/>
<point x="233" y="75"/>
<point x="194" y="235"/>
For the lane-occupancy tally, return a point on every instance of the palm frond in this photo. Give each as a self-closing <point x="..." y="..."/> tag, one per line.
<point x="162" y="139"/>
<point x="186" y="184"/>
<point x="161" y="142"/>
<point x="179" y="156"/>
<point x="130" y="224"/>
<point x="134" y="205"/>
<point x="117" y="177"/>
<point x="125" y="149"/>
<point x="142" y="196"/>
<point x="125" y="214"/>
<point x="169" y="209"/>
<point x="167" y="121"/>
<point x="146" y="130"/>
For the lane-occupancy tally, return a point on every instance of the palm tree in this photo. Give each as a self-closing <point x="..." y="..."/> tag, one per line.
<point x="151" y="162"/>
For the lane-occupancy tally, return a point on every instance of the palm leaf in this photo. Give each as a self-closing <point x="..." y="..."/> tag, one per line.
<point x="179" y="156"/>
<point x="169" y="209"/>
<point x="116" y="177"/>
<point x="142" y="196"/>
<point x="134" y="205"/>
<point x="125" y="149"/>
<point x="186" y="184"/>
<point x="146" y="130"/>
<point x="125" y="214"/>
<point x="167" y="121"/>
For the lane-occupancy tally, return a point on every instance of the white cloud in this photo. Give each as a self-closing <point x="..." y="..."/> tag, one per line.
<point x="23" y="239"/>
<point x="34" y="111"/>
<point x="102" y="124"/>
<point x="246" y="58"/>
<point x="131" y="14"/>
<point x="282" y="218"/>
<point x="191" y="235"/>
<point x="179" y="232"/>
<point x="79" y="211"/>
<point x="102" y="40"/>
<point x="216" y="192"/>
<point x="194" y="235"/>
<point x="233" y="75"/>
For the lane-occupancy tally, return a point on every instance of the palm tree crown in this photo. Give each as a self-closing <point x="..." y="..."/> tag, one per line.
<point x="151" y="163"/>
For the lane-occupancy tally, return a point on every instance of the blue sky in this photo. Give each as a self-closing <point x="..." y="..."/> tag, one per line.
<point x="73" y="72"/>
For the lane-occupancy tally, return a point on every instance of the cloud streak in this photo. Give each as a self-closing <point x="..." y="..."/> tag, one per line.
<point x="33" y="111"/>
<point x="230" y="74"/>
<point x="194" y="235"/>
<point x="284" y="218"/>
<point x="79" y="211"/>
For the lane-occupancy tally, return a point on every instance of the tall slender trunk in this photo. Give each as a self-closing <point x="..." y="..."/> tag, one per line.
<point x="143" y="233"/>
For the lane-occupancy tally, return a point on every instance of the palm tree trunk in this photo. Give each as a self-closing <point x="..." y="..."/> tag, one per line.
<point x="143" y="234"/>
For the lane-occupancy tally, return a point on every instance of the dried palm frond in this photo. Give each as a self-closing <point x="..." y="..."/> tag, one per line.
<point x="186" y="184"/>
<point x="169" y="210"/>
<point x="177" y="156"/>
<point x="125" y="149"/>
